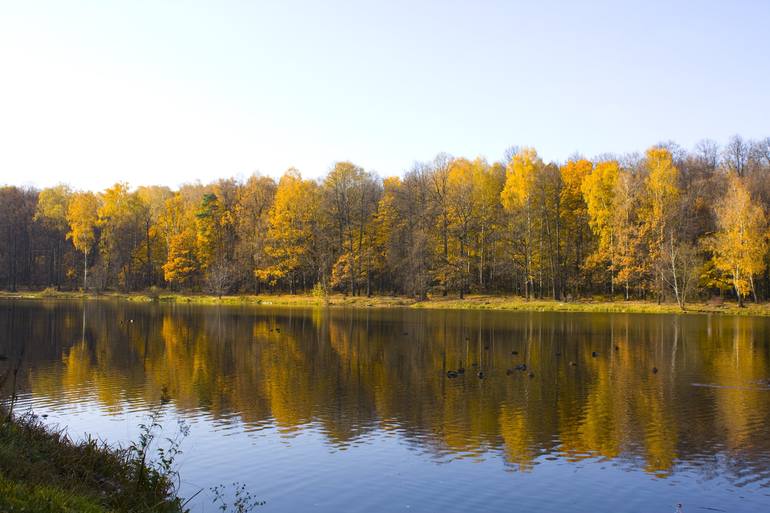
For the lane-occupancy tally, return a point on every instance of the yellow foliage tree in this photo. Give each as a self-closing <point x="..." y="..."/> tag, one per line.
<point x="290" y="232"/>
<point x="177" y="224"/>
<point x="52" y="207"/>
<point x="464" y="193"/>
<point x="208" y="221"/>
<point x="518" y="196"/>
<point x="662" y="197"/>
<point x="740" y="243"/>
<point x="386" y="227"/>
<point x="574" y="216"/>
<point x="181" y="264"/>
<point x="121" y="215"/>
<point x="625" y="231"/>
<point x="489" y="184"/>
<point x="599" y="193"/>
<point x="82" y="216"/>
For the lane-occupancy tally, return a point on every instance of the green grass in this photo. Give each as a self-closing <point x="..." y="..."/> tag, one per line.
<point x="42" y="470"/>
<point x="470" y="302"/>
<point x="19" y="497"/>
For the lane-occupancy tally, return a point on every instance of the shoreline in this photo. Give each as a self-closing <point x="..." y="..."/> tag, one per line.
<point x="470" y="302"/>
<point x="43" y="469"/>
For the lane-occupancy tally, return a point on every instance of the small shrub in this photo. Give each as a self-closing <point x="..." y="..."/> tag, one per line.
<point x="319" y="291"/>
<point x="243" y="501"/>
<point x="153" y="293"/>
<point x="49" y="292"/>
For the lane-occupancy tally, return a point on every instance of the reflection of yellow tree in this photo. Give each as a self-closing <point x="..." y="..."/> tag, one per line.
<point x="288" y="381"/>
<point x="82" y="370"/>
<point x="737" y="367"/>
<point x="660" y="434"/>
<point x="516" y="434"/>
<point x="597" y="424"/>
<point x="599" y="428"/>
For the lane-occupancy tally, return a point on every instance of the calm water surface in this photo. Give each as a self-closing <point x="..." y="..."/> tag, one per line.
<point x="351" y="410"/>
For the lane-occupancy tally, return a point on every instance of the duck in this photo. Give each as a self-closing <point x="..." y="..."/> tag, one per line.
<point x="572" y="364"/>
<point x="654" y="370"/>
<point x="521" y="367"/>
<point x="480" y="374"/>
<point x="531" y="375"/>
<point x="514" y="353"/>
<point x="594" y="354"/>
<point x="451" y="374"/>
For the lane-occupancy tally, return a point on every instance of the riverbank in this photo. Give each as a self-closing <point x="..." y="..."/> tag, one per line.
<point x="470" y="302"/>
<point x="43" y="470"/>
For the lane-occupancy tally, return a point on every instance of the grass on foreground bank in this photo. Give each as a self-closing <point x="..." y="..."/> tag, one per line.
<point x="470" y="302"/>
<point x="43" y="470"/>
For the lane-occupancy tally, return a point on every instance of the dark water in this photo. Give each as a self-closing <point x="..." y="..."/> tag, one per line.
<point x="351" y="410"/>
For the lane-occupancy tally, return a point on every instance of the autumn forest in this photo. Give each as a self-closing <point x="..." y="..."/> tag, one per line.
<point x="665" y="225"/>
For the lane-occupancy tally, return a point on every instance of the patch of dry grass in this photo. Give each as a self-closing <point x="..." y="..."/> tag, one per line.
<point x="470" y="302"/>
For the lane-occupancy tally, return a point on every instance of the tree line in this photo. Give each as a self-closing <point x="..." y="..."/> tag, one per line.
<point x="668" y="224"/>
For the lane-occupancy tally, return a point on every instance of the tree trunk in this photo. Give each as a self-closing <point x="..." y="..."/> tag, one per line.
<point x="85" y="270"/>
<point x="612" y="265"/>
<point x="481" y="259"/>
<point x="446" y="250"/>
<point x="462" y="278"/>
<point x="148" y="277"/>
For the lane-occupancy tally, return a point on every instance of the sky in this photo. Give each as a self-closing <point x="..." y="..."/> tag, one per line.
<point x="170" y="91"/>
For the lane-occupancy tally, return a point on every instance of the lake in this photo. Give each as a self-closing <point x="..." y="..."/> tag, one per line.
<point x="332" y="410"/>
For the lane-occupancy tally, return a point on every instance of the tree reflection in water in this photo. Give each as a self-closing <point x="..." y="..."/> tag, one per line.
<point x="353" y="372"/>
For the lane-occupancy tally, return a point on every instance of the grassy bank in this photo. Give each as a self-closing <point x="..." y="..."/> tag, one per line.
<point x="592" y="305"/>
<point x="42" y="470"/>
<point x="471" y="302"/>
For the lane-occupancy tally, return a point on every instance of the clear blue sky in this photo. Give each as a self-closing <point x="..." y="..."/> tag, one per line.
<point x="174" y="91"/>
